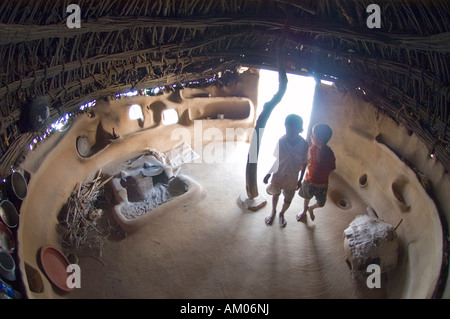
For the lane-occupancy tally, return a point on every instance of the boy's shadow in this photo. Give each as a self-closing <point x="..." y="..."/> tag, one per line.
<point x="304" y="220"/>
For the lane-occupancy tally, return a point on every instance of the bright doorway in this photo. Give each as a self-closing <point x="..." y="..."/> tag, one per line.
<point x="298" y="99"/>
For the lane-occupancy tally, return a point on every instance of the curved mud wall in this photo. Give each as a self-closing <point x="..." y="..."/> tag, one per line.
<point x="56" y="165"/>
<point x="392" y="188"/>
<point x="389" y="186"/>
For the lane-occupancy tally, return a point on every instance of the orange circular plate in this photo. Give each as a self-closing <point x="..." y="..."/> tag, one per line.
<point x="55" y="266"/>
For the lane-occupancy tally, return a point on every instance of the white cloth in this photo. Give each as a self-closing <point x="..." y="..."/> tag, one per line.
<point x="290" y="158"/>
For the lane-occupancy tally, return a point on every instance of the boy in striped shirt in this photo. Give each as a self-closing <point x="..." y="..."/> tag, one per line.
<point x="321" y="163"/>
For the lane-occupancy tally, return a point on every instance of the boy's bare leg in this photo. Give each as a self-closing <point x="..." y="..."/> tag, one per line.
<point x="269" y="219"/>
<point x="305" y="208"/>
<point x="310" y="210"/>
<point x="285" y="207"/>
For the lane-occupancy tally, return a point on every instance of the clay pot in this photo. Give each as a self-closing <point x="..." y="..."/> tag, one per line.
<point x="7" y="265"/>
<point x="15" y="188"/>
<point x="8" y="214"/>
<point x="7" y="241"/>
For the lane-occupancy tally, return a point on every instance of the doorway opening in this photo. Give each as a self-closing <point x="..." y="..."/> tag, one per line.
<point x="298" y="99"/>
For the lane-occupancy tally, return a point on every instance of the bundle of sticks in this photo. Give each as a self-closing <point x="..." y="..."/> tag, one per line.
<point x="79" y="226"/>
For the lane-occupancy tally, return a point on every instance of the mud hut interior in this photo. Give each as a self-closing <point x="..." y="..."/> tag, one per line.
<point x="128" y="127"/>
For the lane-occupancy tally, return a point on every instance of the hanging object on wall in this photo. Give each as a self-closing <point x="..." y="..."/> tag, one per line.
<point x="15" y="187"/>
<point x="8" y="214"/>
<point x="36" y="113"/>
<point x="7" y="241"/>
<point x="7" y="266"/>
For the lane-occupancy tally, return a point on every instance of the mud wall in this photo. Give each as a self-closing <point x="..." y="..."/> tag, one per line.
<point x="389" y="185"/>
<point x="57" y="165"/>
<point x="392" y="190"/>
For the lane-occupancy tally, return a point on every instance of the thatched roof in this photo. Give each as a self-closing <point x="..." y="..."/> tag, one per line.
<point x="402" y="67"/>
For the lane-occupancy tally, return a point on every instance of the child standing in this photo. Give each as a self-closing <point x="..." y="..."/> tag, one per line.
<point x="292" y="156"/>
<point x="321" y="163"/>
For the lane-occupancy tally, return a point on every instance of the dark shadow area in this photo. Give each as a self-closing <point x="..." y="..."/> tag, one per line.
<point x="175" y="97"/>
<point x="157" y="108"/>
<point x="134" y="193"/>
<point x="34" y="115"/>
<point x="102" y="139"/>
<point x="184" y="118"/>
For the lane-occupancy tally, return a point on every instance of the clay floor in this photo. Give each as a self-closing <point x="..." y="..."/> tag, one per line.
<point x="219" y="249"/>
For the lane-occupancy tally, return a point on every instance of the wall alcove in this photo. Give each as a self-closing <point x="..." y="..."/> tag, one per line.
<point x="399" y="189"/>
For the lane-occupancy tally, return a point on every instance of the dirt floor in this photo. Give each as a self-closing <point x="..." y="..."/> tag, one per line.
<point x="219" y="249"/>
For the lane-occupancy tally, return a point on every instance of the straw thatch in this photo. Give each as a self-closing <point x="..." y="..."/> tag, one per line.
<point x="122" y="45"/>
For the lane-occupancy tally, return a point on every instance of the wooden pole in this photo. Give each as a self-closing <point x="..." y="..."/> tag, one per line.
<point x="252" y="159"/>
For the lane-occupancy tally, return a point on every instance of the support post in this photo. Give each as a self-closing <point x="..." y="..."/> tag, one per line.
<point x="255" y="202"/>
